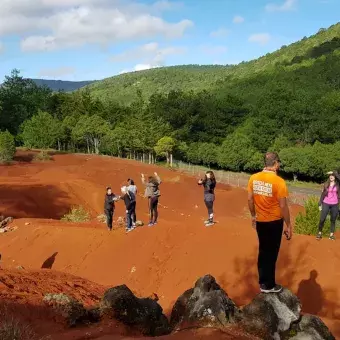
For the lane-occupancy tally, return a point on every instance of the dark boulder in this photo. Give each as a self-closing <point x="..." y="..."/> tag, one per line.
<point x="144" y="314"/>
<point x="206" y="305"/>
<point x="269" y="316"/>
<point x="311" y="327"/>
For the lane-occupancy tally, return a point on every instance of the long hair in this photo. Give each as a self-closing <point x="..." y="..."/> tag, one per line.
<point x="131" y="181"/>
<point x="328" y="183"/>
<point x="212" y="177"/>
<point x="152" y="180"/>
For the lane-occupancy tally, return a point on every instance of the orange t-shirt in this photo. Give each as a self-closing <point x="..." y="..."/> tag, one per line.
<point x="267" y="188"/>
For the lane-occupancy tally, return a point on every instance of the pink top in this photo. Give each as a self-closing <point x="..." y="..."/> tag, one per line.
<point x="332" y="197"/>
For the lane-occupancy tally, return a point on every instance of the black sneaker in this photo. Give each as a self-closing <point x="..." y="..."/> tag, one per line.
<point x="275" y="289"/>
<point x="319" y="236"/>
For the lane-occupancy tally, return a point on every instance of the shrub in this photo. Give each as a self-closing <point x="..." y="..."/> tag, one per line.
<point x="77" y="214"/>
<point x="7" y="147"/>
<point x="11" y="328"/>
<point x="42" y="156"/>
<point x="307" y="223"/>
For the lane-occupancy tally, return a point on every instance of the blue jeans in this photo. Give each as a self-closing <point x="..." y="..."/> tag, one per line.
<point x="130" y="216"/>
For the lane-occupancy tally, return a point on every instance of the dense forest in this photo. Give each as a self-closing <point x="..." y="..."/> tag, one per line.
<point x="62" y="85"/>
<point x="221" y="116"/>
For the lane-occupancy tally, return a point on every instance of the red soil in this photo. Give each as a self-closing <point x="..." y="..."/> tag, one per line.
<point x="166" y="259"/>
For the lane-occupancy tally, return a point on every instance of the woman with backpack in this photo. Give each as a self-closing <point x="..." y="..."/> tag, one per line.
<point x="329" y="203"/>
<point x="130" y="205"/>
<point x="209" y="184"/>
<point x="133" y="188"/>
<point x="152" y="192"/>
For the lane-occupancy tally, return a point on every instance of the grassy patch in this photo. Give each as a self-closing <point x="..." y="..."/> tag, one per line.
<point x="77" y="214"/>
<point x="42" y="156"/>
<point x="307" y="223"/>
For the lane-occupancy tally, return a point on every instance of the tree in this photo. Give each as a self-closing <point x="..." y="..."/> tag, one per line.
<point x="7" y="147"/>
<point x="20" y="99"/>
<point x="235" y="152"/>
<point x="165" y="147"/>
<point x="91" y="129"/>
<point x="41" y="131"/>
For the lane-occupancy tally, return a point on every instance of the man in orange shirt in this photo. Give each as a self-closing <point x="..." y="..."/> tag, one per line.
<point x="267" y="201"/>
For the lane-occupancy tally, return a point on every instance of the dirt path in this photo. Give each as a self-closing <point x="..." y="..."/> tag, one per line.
<point x="165" y="259"/>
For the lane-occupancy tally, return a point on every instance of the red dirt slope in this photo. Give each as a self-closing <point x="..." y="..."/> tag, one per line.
<point x="166" y="259"/>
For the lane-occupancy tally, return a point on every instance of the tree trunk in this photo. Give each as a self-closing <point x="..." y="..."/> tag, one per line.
<point x="88" y="145"/>
<point x="167" y="158"/>
<point x="59" y="147"/>
<point x="171" y="160"/>
<point x="143" y="157"/>
<point x="96" y="145"/>
<point x="150" y="158"/>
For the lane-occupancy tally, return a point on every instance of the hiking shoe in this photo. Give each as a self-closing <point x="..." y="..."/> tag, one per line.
<point x="319" y="236"/>
<point x="276" y="289"/>
<point x="332" y="237"/>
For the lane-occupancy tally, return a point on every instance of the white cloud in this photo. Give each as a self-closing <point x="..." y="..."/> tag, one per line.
<point x="238" y="19"/>
<point x="287" y="5"/>
<point x="216" y="50"/>
<point x="48" y="25"/>
<point x="148" y="55"/>
<point x="139" y="67"/>
<point x="260" y="38"/>
<point x="220" y="33"/>
<point x="57" y="72"/>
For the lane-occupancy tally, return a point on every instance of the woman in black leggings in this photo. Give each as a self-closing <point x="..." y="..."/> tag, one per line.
<point x="152" y="192"/>
<point x="209" y="184"/>
<point x="329" y="203"/>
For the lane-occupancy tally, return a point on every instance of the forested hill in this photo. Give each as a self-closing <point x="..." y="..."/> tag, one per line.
<point x="123" y="88"/>
<point x="62" y="85"/>
<point x="219" y="116"/>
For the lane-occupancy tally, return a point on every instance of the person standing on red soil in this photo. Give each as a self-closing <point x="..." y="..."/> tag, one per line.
<point x="109" y="206"/>
<point x="130" y="205"/>
<point x="133" y="188"/>
<point x="209" y="184"/>
<point x="152" y="192"/>
<point x="329" y="203"/>
<point x="267" y="201"/>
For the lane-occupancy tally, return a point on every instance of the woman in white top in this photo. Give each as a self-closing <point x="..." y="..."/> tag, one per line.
<point x="133" y="188"/>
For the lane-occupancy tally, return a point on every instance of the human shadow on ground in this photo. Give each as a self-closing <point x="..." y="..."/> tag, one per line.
<point x="310" y="294"/>
<point x="48" y="264"/>
<point x="33" y="201"/>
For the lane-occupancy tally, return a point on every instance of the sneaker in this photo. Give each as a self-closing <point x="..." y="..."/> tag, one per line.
<point x="319" y="236"/>
<point x="150" y="224"/>
<point x="154" y="223"/>
<point x="209" y="224"/>
<point x="276" y="289"/>
<point x="129" y="229"/>
<point x="332" y="237"/>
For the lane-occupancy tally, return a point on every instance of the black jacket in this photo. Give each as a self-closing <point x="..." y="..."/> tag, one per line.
<point x="129" y="199"/>
<point x="110" y="200"/>
<point x="209" y="186"/>
<point x="325" y="188"/>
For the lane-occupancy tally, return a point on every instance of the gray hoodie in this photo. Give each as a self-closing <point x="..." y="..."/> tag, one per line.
<point x="152" y="189"/>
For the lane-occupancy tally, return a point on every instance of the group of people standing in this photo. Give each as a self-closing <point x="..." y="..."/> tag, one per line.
<point x="129" y="194"/>
<point x="268" y="206"/>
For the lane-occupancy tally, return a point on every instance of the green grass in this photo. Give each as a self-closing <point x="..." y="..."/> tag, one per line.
<point x="77" y="214"/>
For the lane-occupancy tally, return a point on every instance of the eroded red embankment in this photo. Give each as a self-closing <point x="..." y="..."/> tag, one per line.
<point x="166" y="259"/>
